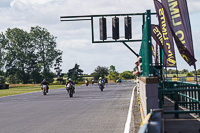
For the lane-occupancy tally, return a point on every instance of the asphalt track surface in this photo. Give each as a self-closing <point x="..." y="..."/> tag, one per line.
<point x="89" y="111"/>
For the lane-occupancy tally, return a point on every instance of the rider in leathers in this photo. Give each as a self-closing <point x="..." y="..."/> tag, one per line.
<point x="70" y="81"/>
<point x="45" y="82"/>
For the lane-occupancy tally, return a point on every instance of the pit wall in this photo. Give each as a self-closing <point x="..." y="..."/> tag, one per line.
<point x="148" y="93"/>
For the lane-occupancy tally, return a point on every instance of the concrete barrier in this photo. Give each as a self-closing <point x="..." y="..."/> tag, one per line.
<point x="148" y="88"/>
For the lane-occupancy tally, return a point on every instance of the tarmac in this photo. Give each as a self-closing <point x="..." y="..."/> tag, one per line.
<point x="186" y="123"/>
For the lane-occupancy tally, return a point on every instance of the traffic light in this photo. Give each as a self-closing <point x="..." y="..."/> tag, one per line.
<point x="115" y="28"/>
<point x="128" y="31"/>
<point x="102" y="25"/>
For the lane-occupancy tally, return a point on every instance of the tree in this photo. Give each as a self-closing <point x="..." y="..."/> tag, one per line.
<point x="100" y="72"/>
<point x="113" y="76"/>
<point x="13" y="79"/>
<point x="174" y="76"/>
<point x="170" y="71"/>
<point x="75" y="73"/>
<point x="45" y="43"/>
<point x="2" y="52"/>
<point x="34" y="70"/>
<point x="27" y="54"/>
<point x="2" y="80"/>
<point x="197" y="71"/>
<point x="19" y="49"/>
<point x="126" y="75"/>
<point x="189" y="74"/>
<point x="112" y="69"/>
<point x="57" y="67"/>
<point x="184" y="71"/>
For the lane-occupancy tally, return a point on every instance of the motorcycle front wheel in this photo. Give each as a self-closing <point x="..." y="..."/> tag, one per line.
<point x="44" y="91"/>
<point x="70" y="93"/>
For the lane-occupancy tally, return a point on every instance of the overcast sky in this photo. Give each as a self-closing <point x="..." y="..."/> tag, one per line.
<point x="74" y="38"/>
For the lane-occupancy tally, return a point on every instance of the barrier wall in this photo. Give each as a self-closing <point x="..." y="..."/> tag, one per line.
<point x="148" y="88"/>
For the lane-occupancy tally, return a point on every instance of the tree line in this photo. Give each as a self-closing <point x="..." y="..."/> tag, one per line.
<point x="111" y="73"/>
<point x="76" y="74"/>
<point x="184" y="71"/>
<point x="26" y="57"/>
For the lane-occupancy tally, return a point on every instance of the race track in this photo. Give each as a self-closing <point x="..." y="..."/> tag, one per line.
<point x="89" y="111"/>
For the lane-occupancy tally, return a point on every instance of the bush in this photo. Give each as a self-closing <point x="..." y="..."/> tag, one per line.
<point x="174" y="75"/>
<point x="2" y="80"/>
<point x="127" y="75"/>
<point x="12" y="79"/>
<point x="189" y="74"/>
<point x="113" y="76"/>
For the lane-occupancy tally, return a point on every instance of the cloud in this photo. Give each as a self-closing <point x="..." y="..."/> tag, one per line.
<point x="74" y="38"/>
<point x="29" y="2"/>
<point x="5" y="3"/>
<point x="193" y="6"/>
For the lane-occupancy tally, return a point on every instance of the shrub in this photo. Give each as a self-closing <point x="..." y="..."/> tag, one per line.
<point x="2" y="80"/>
<point x="174" y="76"/>
<point x="189" y="74"/>
<point x="12" y="79"/>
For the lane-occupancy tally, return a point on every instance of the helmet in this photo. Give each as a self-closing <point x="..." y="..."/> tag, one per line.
<point x="100" y="77"/>
<point x="70" y="79"/>
<point x="44" y="80"/>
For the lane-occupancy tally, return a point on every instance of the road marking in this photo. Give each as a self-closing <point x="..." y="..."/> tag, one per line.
<point x="128" y="121"/>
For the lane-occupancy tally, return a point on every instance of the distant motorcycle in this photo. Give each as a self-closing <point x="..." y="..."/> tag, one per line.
<point x="92" y="82"/>
<point x="44" y="89"/>
<point x="119" y="81"/>
<point x="70" y="89"/>
<point x="101" y="85"/>
<point x="86" y="82"/>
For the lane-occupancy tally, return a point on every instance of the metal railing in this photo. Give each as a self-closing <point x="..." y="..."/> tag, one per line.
<point x="183" y="94"/>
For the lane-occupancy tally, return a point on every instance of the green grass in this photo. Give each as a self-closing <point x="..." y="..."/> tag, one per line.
<point x="27" y="89"/>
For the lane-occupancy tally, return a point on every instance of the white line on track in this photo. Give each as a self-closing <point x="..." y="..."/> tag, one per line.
<point x="128" y="121"/>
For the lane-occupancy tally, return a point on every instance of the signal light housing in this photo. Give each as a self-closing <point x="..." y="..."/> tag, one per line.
<point x="103" y="29"/>
<point x="128" y="31"/>
<point x="115" y="28"/>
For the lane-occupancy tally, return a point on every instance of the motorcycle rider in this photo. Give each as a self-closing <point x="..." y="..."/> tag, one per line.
<point x="100" y="79"/>
<point x="45" y="82"/>
<point x="86" y="81"/>
<point x="70" y="81"/>
<point x="92" y="81"/>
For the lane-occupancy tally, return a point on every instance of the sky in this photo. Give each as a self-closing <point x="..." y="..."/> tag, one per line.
<point x="74" y="38"/>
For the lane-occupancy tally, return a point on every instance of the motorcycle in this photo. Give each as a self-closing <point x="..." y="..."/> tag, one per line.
<point x="86" y="82"/>
<point x="101" y="85"/>
<point x="44" y="89"/>
<point x="70" y="89"/>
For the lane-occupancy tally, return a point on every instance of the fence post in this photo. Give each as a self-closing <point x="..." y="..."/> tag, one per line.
<point x="199" y="100"/>
<point x="176" y="104"/>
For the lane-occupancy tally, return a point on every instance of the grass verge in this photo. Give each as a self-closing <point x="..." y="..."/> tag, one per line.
<point x="27" y="89"/>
